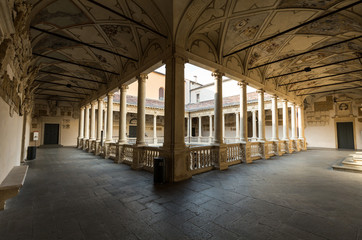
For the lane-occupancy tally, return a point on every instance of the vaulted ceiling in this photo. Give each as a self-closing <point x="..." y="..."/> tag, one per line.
<point x="82" y="46"/>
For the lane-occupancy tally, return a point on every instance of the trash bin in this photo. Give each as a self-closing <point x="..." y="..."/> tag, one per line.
<point x="158" y="170"/>
<point x="31" y="153"/>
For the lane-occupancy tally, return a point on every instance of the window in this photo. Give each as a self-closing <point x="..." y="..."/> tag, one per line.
<point x="197" y="97"/>
<point x="161" y="92"/>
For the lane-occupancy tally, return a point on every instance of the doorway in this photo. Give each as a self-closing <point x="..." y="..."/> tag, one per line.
<point x="51" y="134"/>
<point x="132" y="131"/>
<point x="345" y="135"/>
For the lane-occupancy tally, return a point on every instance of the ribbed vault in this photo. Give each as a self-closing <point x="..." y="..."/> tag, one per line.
<point x="84" y="46"/>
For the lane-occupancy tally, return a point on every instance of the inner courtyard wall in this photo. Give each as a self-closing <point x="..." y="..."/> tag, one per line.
<point x="10" y="141"/>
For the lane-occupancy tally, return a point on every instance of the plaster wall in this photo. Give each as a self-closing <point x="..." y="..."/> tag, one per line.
<point x="68" y="129"/>
<point x="152" y="92"/>
<point x="10" y="141"/>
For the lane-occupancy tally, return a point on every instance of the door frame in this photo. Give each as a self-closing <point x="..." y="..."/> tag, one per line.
<point x="50" y="120"/>
<point x="345" y="119"/>
<point x="58" y="132"/>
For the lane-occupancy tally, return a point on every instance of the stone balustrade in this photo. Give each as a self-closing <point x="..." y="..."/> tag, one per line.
<point x="201" y="159"/>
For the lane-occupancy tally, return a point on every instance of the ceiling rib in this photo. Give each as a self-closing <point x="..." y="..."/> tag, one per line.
<point x="128" y="18"/>
<point x="342" y="89"/>
<point x="82" y="43"/>
<point x="77" y="64"/>
<point x="57" y="90"/>
<point x="293" y="28"/>
<point x="300" y="54"/>
<point x="66" y="85"/>
<point x="326" y="85"/>
<point x="311" y="79"/>
<point x="304" y="70"/>
<point x="44" y="94"/>
<point x="63" y="100"/>
<point x="65" y="75"/>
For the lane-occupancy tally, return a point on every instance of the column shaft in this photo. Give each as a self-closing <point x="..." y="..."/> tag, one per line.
<point x="243" y="113"/>
<point x="237" y="131"/>
<point x="218" y="121"/>
<point x="81" y="123"/>
<point x="109" y="137"/>
<point x="254" y="125"/>
<point x="141" y="110"/>
<point x="301" y="121"/>
<point x="293" y="122"/>
<point x="285" y="120"/>
<point x="123" y="115"/>
<point x="200" y="123"/>
<point x="261" y="115"/>
<point x="174" y="130"/>
<point x="93" y="122"/>
<point x="275" y="130"/>
<point x="210" y="126"/>
<point x="155" y="129"/>
<point x="100" y="119"/>
<point x="86" y="122"/>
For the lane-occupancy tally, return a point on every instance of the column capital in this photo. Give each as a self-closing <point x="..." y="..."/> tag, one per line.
<point x="82" y="107"/>
<point x="100" y="100"/>
<point x="217" y="74"/>
<point x="93" y="103"/>
<point x="285" y="100"/>
<point x="274" y="96"/>
<point x="142" y="77"/>
<point x="179" y="58"/>
<point x="123" y="88"/>
<point x="110" y="94"/>
<point x="259" y="91"/>
<point x="88" y="106"/>
<point x="242" y="83"/>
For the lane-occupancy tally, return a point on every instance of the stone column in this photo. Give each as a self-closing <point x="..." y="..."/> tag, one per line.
<point x="86" y="122"/>
<point x="210" y="127"/>
<point x="188" y="127"/>
<point x="81" y="123"/>
<point x="254" y="125"/>
<point x="141" y="110"/>
<point x="154" y="129"/>
<point x="301" y="135"/>
<point x="200" y="123"/>
<point x="105" y="124"/>
<point x="93" y="122"/>
<point x="237" y="131"/>
<point x="301" y="122"/>
<point x="261" y="116"/>
<point x="123" y="115"/>
<point x="100" y="119"/>
<point x="81" y="129"/>
<point x="174" y="149"/>
<point x="243" y="113"/>
<point x="275" y="130"/>
<point x="220" y="162"/>
<point x="218" y="121"/>
<point x="223" y="126"/>
<point x="285" y="120"/>
<point x="109" y="137"/>
<point x="293" y="122"/>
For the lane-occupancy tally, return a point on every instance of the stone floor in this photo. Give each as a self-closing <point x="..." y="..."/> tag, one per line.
<point x="70" y="194"/>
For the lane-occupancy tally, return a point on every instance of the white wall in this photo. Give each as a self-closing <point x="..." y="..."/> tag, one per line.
<point x="67" y="136"/>
<point x="10" y="139"/>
